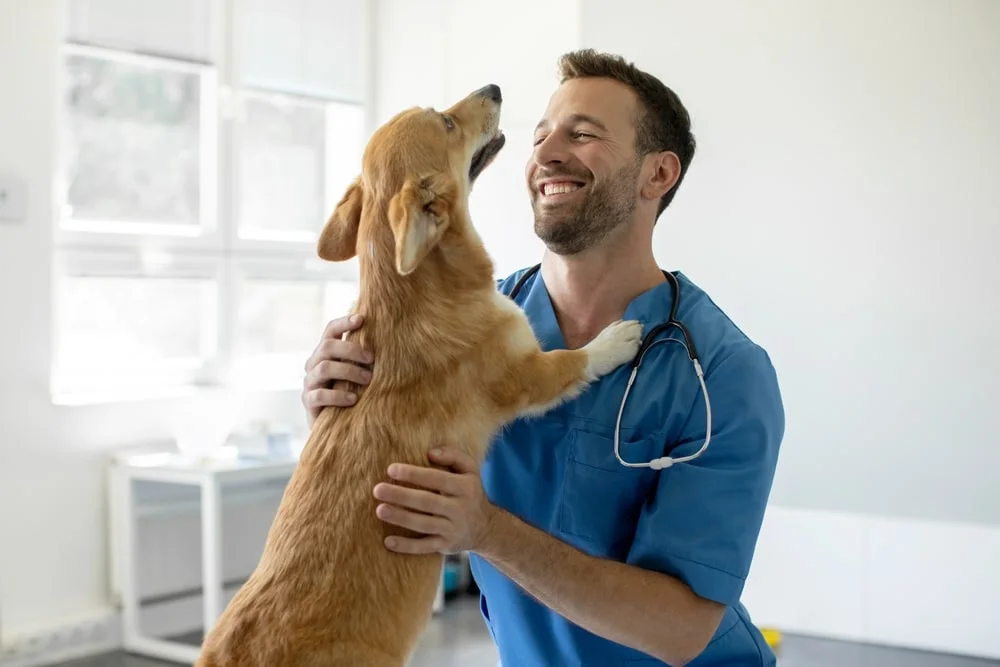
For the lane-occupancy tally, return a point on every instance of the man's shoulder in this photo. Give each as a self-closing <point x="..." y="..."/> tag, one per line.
<point x="719" y="340"/>
<point x="702" y="312"/>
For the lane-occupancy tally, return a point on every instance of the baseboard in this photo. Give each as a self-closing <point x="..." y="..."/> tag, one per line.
<point x="64" y="640"/>
<point x="101" y="632"/>
<point x="882" y="580"/>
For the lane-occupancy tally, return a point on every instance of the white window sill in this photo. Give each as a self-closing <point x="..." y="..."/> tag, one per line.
<point x="141" y="394"/>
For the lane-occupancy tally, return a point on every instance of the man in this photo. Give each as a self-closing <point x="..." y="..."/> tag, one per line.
<point x="580" y="559"/>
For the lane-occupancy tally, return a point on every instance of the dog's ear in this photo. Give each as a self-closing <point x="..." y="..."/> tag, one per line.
<point x="339" y="238"/>
<point x="419" y="215"/>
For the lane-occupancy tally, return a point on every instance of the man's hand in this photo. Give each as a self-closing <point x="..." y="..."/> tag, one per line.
<point x="330" y="362"/>
<point x="647" y="610"/>
<point x="450" y="508"/>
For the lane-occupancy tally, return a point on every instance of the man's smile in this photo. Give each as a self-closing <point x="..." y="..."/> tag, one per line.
<point x="556" y="190"/>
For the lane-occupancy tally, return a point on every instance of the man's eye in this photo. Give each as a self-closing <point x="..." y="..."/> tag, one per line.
<point x="578" y="135"/>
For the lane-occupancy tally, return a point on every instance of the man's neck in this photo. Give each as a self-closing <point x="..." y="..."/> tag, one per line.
<point x="590" y="290"/>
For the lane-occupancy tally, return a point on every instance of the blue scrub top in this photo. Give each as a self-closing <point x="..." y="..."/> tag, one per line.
<point x="696" y="521"/>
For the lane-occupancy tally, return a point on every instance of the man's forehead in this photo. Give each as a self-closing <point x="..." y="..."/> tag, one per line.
<point x="600" y="101"/>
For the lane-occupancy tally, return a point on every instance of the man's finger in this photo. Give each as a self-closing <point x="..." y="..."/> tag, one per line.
<point x="428" y="478"/>
<point x="332" y="345"/>
<point x="322" y="398"/>
<point x="338" y="327"/>
<point x="343" y="350"/>
<point x="414" y="499"/>
<point x="327" y="371"/>
<point x="455" y="459"/>
<point x="419" y="545"/>
<point x="420" y="523"/>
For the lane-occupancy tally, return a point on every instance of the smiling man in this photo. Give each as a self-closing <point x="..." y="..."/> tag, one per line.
<point x="583" y="558"/>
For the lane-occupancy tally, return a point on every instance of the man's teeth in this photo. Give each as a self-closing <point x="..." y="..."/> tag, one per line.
<point x="559" y="188"/>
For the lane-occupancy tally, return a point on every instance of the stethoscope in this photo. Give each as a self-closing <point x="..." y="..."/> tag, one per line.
<point x="648" y="341"/>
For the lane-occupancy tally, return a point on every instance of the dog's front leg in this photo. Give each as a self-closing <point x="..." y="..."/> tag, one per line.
<point x="538" y="381"/>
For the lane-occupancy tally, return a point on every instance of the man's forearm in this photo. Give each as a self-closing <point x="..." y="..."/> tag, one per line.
<point x="648" y="611"/>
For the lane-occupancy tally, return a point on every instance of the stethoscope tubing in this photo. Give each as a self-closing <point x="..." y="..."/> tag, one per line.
<point x="648" y="341"/>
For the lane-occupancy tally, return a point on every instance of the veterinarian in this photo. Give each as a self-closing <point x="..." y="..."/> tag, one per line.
<point x="581" y="559"/>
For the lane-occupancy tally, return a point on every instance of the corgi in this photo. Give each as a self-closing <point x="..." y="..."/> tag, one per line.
<point x="455" y="361"/>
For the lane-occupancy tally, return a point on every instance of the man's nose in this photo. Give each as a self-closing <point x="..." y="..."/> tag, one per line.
<point x="550" y="150"/>
<point x="492" y="92"/>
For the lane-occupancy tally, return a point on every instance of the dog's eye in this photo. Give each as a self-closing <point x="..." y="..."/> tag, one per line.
<point x="448" y="122"/>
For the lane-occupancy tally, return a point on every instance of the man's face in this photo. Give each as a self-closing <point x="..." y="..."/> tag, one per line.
<point x="583" y="173"/>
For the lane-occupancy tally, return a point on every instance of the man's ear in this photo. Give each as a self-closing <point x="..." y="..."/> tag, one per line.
<point x="665" y="172"/>
<point x="339" y="238"/>
<point x="419" y="215"/>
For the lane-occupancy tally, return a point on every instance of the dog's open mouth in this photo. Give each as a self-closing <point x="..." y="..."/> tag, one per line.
<point x="485" y="155"/>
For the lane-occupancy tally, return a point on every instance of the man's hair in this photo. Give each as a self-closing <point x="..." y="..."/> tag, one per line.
<point x="663" y="123"/>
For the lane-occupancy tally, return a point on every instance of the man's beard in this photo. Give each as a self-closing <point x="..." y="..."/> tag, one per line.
<point x="569" y="230"/>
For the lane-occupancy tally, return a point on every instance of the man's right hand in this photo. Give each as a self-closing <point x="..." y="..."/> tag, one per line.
<point x="330" y="362"/>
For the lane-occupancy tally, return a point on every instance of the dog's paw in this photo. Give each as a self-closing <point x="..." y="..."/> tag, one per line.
<point x="614" y="346"/>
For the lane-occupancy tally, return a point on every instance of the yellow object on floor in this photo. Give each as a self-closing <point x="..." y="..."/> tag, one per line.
<point x="771" y="636"/>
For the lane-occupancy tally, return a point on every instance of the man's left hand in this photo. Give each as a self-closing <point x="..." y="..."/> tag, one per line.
<point x="450" y="508"/>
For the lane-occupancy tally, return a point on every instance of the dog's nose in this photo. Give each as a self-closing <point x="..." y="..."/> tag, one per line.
<point x="491" y="91"/>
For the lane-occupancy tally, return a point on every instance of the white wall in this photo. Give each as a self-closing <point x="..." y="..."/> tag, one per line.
<point x="835" y="134"/>
<point x="464" y="45"/>
<point x="52" y="510"/>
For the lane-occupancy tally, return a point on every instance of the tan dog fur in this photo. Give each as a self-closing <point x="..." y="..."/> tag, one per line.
<point x="455" y="360"/>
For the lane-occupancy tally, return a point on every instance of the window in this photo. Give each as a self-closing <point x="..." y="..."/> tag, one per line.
<point x="203" y="145"/>
<point x="137" y="145"/>
<point x="281" y="308"/>
<point x="137" y="322"/>
<point x="289" y="152"/>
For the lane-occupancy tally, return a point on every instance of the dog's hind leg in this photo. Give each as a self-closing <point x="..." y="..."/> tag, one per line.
<point x="539" y="381"/>
<point x="364" y="661"/>
<point x="352" y="654"/>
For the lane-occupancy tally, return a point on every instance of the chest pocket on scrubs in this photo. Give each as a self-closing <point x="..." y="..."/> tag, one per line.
<point x="601" y="499"/>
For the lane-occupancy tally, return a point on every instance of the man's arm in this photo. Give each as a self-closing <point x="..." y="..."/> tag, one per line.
<point x="642" y="609"/>
<point x="695" y="535"/>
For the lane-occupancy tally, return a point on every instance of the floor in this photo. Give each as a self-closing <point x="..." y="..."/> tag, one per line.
<point x="457" y="637"/>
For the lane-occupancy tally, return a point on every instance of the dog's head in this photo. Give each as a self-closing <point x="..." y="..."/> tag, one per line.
<point x="422" y="163"/>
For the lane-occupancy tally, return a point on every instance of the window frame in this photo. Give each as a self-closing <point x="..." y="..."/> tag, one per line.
<point x="217" y="243"/>
<point x="332" y="190"/>
<point x="97" y="233"/>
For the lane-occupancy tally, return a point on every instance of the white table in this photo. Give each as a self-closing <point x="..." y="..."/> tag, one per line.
<point x="210" y="476"/>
